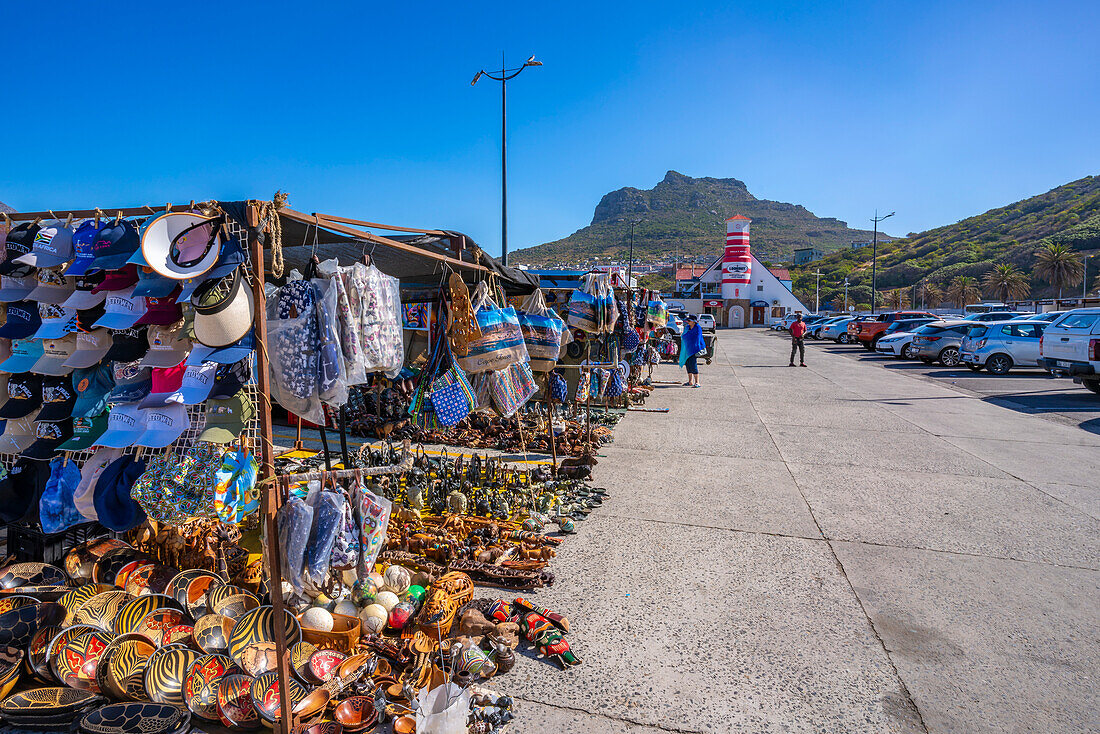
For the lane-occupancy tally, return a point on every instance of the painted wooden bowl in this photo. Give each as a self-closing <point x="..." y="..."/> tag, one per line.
<point x="215" y="594"/>
<point x="324" y="663"/>
<point x="235" y="707"/>
<point x="15" y="601"/>
<point x="299" y="659"/>
<point x="266" y="699"/>
<point x="37" y="661"/>
<point x="100" y="611"/>
<point x="41" y="593"/>
<point x="404" y="725"/>
<point x="18" y="625"/>
<point x="103" y="668"/>
<point x="64" y="637"/>
<point x="11" y="665"/>
<point x="80" y="561"/>
<point x="154" y="624"/>
<point x="180" y="634"/>
<point x="314" y="702"/>
<point x="177" y="587"/>
<point x="110" y="563"/>
<point x="200" y="689"/>
<point x="125" y="661"/>
<point x="355" y="713"/>
<point x="79" y="659"/>
<point x="130" y="614"/>
<point x="236" y="605"/>
<point x="124" y="573"/>
<point x="42" y="702"/>
<point x="166" y="673"/>
<point x="353" y="664"/>
<point x="32" y="574"/>
<point x="258" y="625"/>
<point x="76" y="598"/>
<point x="134" y="718"/>
<point x="212" y="633"/>
<point x="198" y="593"/>
<point x="259" y="657"/>
<point x="149" y="579"/>
<point x="321" y="727"/>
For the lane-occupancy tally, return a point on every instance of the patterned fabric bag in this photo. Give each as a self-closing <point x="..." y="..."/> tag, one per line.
<point x="345" y="550"/>
<point x="631" y="340"/>
<point x="582" y="312"/>
<point x="235" y="493"/>
<point x="512" y="387"/>
<point x="584" y="384"/>
<point x="542" y="330"/>
<point x="501" y="342"/>
<point x="374" y="518"/>
<point x="452" y="396"/>
<point x="615" y="384"/>
<point x="657" y="313"/>
<point x="559" y="388"/>
<point x="174" y="487"/>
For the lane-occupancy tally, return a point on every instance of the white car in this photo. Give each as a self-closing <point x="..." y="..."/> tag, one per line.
<point x="1071" y="347"/>
<point x="675" y="324"/>
<point x="706" y="322"/>
<point x="898" y="345"/>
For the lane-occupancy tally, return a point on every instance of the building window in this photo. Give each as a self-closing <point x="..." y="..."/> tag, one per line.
<point x="777" y="312"/>
<point x="759" y="287"/>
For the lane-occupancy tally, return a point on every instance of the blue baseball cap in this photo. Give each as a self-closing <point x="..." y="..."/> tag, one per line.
<point x="132" y="383"/>
<point x="114" y="506"/>
<point x="122" y="309"/>
<point x="93" y="385"/>
<point x="114" y="245"/>
<point x="198" y="381"/>
<point x="56" y="321"/>
<point x="24" y="354"/>
<point x="230" y="256"/>
<point x="23" y="320"/>
<point x="83" y="243"/>
<point x="229" y="354"/>
<point x="125" y="424"/>
<point x="16" y="289"/>
<point x="153" y="285"/>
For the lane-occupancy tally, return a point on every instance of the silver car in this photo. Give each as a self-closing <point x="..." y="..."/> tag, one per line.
<point x="939" y="341"/>
<point x="837" y="330"/>
<point x="1002" y="345"/>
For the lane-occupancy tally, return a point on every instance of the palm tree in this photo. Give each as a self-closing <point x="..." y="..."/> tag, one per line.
<point x="930" y="294"/>
<point x="897" y="298"/>
<point x="963" y="290"/>
<point x="1006" y="282"/>
<point x="1059" y="265"/>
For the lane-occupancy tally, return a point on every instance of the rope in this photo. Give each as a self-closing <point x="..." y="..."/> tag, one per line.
<point x="270" y="212"/>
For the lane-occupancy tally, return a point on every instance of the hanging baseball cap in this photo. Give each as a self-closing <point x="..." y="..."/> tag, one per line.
<point x="224" y="355"/>
<point x="21" y="489"/>
<point x="83" y="243"/>
<point x="167" y="346"/>
<point x="57" y="321"/>
<point x="123" y="309"/>
<point x="117" y="280"/>
<point x="164" y="425"/>
<point x="55" y="353"/>
<point x="18" y="435"/>
<point x="93" y="467"/>
<point x="52" y="246"/>
<point x="23" y="395"/>
<point x="84" y="294"/>
<point x="114" y="245"/>
<point x="223" y="310"/>
<point x="58" y="398"/>
<point x="16" y="289"/>
<point x="198" y="381"/>
<point x="152" y="285"/>
<point x="161" y="311"/>
<point x="129" y="345"/>
<point x="20" y="241"/>
<point x="132" y="383"/>
<point x="181" y="245"/>
<point x="91" y="348"/>
<point x="231" y="255"/>
<point x="86" y="432"/>
<point x="53" y="287"/>
<point x="93" y="385"/>
<point x="24" y="354"/>
<point x="86" y="318"/>
<point x="227" y="419"/>
<point x="125" y="424"/>
<point x="57" y="510"/>
<point x="23" y="320"/>
<point x="115" y="508"/>
<point x="165" y="382"/>
<point x="48" y="436"/>
<point x="230" y="378"/>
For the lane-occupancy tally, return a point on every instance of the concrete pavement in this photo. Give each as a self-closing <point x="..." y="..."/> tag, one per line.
<point x="840" y="548"/>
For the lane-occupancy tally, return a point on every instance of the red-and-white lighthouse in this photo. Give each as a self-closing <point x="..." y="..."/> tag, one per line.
<point x="737" y="263"/>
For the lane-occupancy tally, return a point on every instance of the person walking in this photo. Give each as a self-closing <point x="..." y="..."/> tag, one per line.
<point x="798" y="341"/>
<point x="690" y="344"/>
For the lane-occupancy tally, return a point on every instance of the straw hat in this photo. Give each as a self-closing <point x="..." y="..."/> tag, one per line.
<point x="223" y="310"/>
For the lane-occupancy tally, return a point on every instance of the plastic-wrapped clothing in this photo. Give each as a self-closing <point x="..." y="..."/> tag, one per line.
<point x="295" y="525"/>
<point x="328" y="519"/>
<point x="293" y="346"/>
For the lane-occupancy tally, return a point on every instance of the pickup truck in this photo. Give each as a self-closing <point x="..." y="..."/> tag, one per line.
<point x="868" y="332"/>
<point x="1070" y="347"/>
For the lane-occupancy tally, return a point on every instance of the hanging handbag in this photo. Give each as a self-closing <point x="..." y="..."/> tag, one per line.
<point x="501" y="342"/>
<point x="512" y="387"/>
<point x="452" y="396"/>
<point x="615" y="384"/>
<point x="542" y="330"/>
<point x="559" y="388"/>
<point x="584" y="384"/>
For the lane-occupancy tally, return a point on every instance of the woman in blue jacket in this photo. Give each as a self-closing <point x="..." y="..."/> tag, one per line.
<point x="690" y="344"/>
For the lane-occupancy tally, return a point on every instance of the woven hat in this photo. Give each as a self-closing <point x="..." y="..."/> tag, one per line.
<point x="52" y="246"/>
<point x="181" y="245"/>
<point x="223" y="310"/>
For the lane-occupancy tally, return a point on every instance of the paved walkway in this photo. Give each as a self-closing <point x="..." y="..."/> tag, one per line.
<point x="840" y="548"/>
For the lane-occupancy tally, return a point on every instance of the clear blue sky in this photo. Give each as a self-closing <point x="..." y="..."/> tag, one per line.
<point x="938" y="110"/>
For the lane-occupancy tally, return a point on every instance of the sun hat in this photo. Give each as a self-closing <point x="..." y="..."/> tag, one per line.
<point x="225" y="355"/>
<point x="129" y="345"/>
<point x="57" y="508"/>
<point x="84" y="295"/>
<point x="91" y="348"/>
<point x="114" y="245"/>
<point x="122" y="310"/>
<point x="230" y="378"/>
<point x="52" y="287"/>
<point x="161" y="311"/>
<point x="118" y="280"/>
<point x="164" y="425"/>
<point x="223" y="310"/>
<point x="167" y="345"/>
<point x="93" y="467"/>
<point x="58" y="398"/>
<point x="227" y="419"/>
<point x="24" y="354"/>
<point x="23" y="320"/>
<point x="165" y="382"/>
<point x="124" y="424"/>
<point x="18" y="435"/>
<point x="23" y="395"/>
<point x="229" y="258"/>
<point x="52" y="246"/>
<point x="132" y="383"/>
<point x="48" y="436"/>
<point x="21" y="489"/>
<point x="16" y="289"/>
<point x="56" y="321"/>
<point x="83" y="243"/>
<point x="152" y="285"/>
<point x="114" y="507"/>
<point x="86" y="432"/>
<point x="93" y="385"/>
<point x="198" y="380"/>
<point x="20" y="241"/>
<point x="55" y="353"/>
<point x="181" y="245"/>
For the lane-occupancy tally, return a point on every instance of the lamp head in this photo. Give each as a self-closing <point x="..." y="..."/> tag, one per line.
<point x="476" y="77"/>
<point x="531" y="62"/>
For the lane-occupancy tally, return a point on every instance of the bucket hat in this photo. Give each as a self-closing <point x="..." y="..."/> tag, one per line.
<point x="18" y="434"/>
<point x="57" y="508"/>
<point x="129" y="345"/>
<point x="117" y="280"/>
<point x="124" y="424"/>
<point x="163" y="426"/>
<point x="57" y="321"/>
<point x="84" y="239"/>
<point x="161" y="311"/>
<point x="23" y="395"/>
<point x="122" y="310"/>
<point x="55" y="353"/>
<point x="25" y="353"/>
<point x="132" y="383"/>
<point x="114" y="507"/>
<point x="86" y="431"/>
<point x="52" y="287"/>
<point x="16" y="289"/>
<point x="23" y="320"/>
<point x="93" y="467"/>
<point x="48" y="436"/>
<point x="91" y="348"/>
<point x="114" y="245"/>
<point x="93" y="385"/>
<point x="19" y="242"/>
<point x="227" y="419"/>
<point x="84" y="295"/>
<point x="230" y="378"/>
<point x="153" y="285"/>
<point x="198" y="380"/>
<point x="21" y="489"/>
<point x="58" y="398"/>
<point x="165" y="382"/>
<point x="181" y="245"/>
<point x="52" y="246"/>
<point x="223" y="310"/>
<point x="167" y="345"/>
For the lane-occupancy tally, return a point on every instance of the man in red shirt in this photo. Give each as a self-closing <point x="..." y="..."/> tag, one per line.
<point x="798" y="341"/>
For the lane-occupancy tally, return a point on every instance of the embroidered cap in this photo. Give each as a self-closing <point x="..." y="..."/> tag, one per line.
<point x="52" y="246"/>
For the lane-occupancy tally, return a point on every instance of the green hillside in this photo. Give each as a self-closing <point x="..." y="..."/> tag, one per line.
<point x="686" y="216"/>
<point x="1069" y="214"/>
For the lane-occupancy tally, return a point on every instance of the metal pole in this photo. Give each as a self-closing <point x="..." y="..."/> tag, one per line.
<point x="503" y="163"/>
<point x="630" y="265"/>
<point x="845" y="295"/>
<point x="874" y="264"/>
<point x="817" y="298"/>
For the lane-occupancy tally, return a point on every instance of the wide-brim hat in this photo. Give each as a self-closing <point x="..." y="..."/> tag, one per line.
<point x="180" y="245"/>
<point x="222" y="315"/>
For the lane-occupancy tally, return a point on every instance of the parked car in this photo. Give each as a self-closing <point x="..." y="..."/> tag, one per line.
<point x="675" y="324"/>
<point x="855" y="325"/>
<point x="706" y="322"/>
<point x="1071" y="347"/>
<point x="939" y="341"/>
<point x="869" y="332"/>
<point x="1047" y="317"/>
<point x="785" y="324"/>
<point x="815" y="330"/>
<point x="897" y="340"/>
<point x="994" y="316"/>
<point x="1000" y="346"/>
<point x="836" y="330"/>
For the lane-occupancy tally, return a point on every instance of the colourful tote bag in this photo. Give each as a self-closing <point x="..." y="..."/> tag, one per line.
<point x="583" y="312"/>
<point x="512" y="387"/>
<point x="452" y="396"/>
<point x="542" y="330"/>
<point x="501" y="343"/>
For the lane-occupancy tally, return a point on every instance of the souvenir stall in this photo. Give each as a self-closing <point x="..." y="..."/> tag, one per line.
<point x="227" y="586"/>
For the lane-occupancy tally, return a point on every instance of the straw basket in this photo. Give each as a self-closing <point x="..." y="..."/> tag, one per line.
<point x="343" y="637"/>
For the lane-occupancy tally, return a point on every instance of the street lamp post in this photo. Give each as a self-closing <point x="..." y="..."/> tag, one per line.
<point x="503" y="76"/>
<point x="845" y="295"/>
<point x="630" y="265"/>
<point x="874" y="259"/>
<point x="817" y="297"/>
